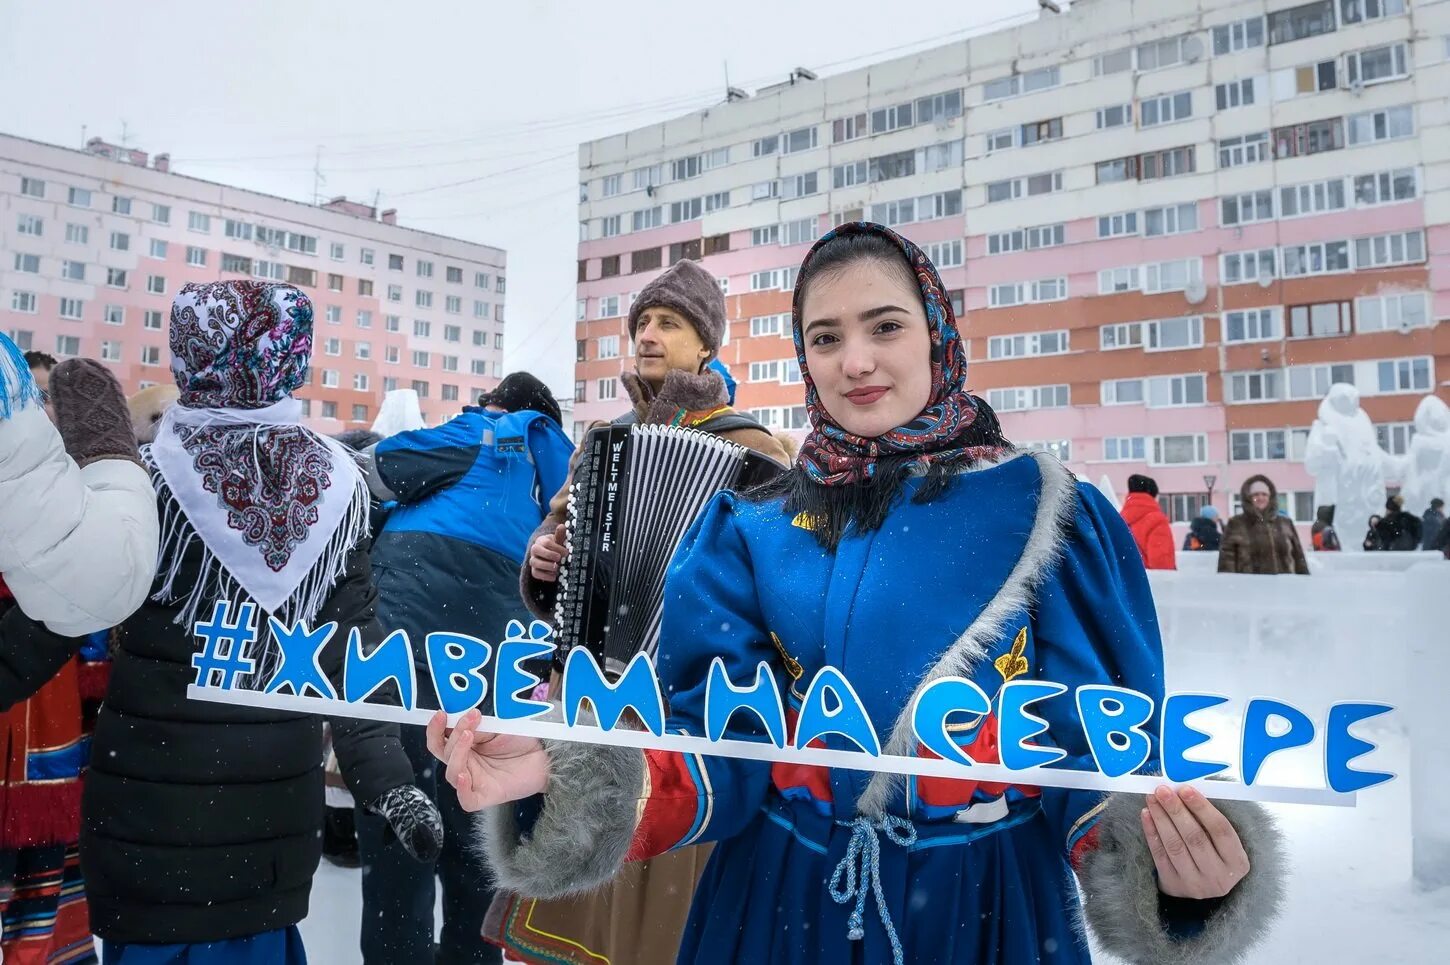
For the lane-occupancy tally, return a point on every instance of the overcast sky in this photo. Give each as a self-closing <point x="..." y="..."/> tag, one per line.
<point x="406" y="97"/>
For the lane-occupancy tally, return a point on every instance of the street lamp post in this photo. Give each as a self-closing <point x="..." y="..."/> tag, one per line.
<point x="1208" y="481"/>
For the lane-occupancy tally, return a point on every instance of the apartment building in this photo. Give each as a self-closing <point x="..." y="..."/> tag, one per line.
<point x="1169" y="226"/>
<point x="97" y="241"/>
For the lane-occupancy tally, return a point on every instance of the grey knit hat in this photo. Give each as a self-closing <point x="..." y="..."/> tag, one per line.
<point x="694" y="293"/>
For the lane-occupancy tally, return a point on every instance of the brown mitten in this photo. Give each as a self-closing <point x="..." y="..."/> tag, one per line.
<point x="91" y="413"/>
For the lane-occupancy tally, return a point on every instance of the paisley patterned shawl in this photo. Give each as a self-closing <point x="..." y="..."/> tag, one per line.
<point x="834" y="457"/>
<point x="275" y="505"/>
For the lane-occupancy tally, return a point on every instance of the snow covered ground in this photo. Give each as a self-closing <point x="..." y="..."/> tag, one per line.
<point x="1336" y="636"/>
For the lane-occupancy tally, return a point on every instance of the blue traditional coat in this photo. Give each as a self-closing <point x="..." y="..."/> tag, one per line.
<point x="1015" y="571"/>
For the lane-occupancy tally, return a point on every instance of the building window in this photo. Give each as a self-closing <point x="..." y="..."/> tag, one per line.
<point x="116" y="277"/>
<point x="1297" y="23"/>
<point x="449" y="363"/>
<point x="23" y="302"/>
<point x="1170" y="391"/>
<point x="454" y="275"/>
<point x="1243" y="267"/>
<point x="1376" y="65"/>
<point x="1115" y="116"/>
<point x="1318" y="258"/>
<point x="1033" y="80"/>
<point x="392" y="354"/>
<point x="1253" y="325"/>
<point x="395" y="262"/>
<point x="120" y="241"/>
<point x="158" y="248"/>
<point x="1258" y="445"/>
<point x="29" y="224"/>
<point x="1171" y="220"/>
<point x="423" y="299"/>
<point x="1115" y="62"/>
<point x="155" y="285"/>
<point x="1405" y="375"/>
<point x="607" y="347"/>
<point x="425" y="269"/>
<point x="150" y="355"/>
<point x="71" y="308"/>
<point x="580" y="390"/>
<point x="77" y="234"/>
<point x="605" y="389"/>
<point x="32" y="187"/>
<point x="802" y="139"/>
<point x="1040" y="132"/>
<point x="1247" y="208"/>
<point x="1399" y="248"/>
<point x="1114" y="280"/>
<point x="1125" y="449"/>
<point x="73" y="270"/>
<point x="1165" y="109"/>
<point x="422" y="328"/>
<point x="1236" y="93"/>
<point x="1390" y="313"/>
<point x="329" y="410"/>
<point x="152" y="320"/>
<point x="1248" y="149"/>
<point x="1030" y="397"/>
<point x="1024" y="346"/>
<point x="946" y="254"/>
<point x="196" y="221"/>
<point x="1320" y="320"/>
<point x="1239" y="35"/>
<point x="334" y="314"/>
<point x="196" y="257"/>
<point x="362" y="350"/>
<point x="1357" y="11"/>
<point x="121" y="205"/>
<point x="1166" y="53"/>
<point x="1184" y="450"/>
<point x="1386" y="125"/>
<point x="609" y="306"/>
<point x="1299" y="140"/>
<point x="330" y="378"/>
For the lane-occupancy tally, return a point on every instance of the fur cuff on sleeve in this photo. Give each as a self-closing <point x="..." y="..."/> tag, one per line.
<point x="1121" y="897"/>
<point x="583" y="830"/>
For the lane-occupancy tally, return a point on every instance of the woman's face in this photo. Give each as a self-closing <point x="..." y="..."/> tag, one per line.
<point x="868" y="347"/>
<point x="1259" y="496"/>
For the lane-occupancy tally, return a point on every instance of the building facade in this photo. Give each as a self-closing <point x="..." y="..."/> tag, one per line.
<point x="1169" y="226"/>
<point x="97" y="241"/>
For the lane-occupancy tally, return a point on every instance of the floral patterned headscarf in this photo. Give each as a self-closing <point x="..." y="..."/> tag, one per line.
<point x="834" y="457"/>
<point x="276" y="505"/>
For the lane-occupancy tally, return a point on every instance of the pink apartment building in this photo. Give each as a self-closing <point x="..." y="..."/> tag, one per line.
<point x="1170" y="226"/>
<point x="97" y="241"/>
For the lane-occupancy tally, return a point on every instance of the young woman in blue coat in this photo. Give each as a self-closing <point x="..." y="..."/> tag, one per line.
<point x="910" y="542"/>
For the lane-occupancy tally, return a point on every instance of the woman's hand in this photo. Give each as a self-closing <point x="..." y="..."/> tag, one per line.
<point x="547" y="552"/>
<point x="1196" y="850"/>
<point x="487" y="769"/>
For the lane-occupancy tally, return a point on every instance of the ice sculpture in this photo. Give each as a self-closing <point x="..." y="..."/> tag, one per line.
<point x="1349" y="468"/>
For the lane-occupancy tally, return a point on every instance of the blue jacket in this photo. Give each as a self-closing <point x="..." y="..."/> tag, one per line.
<point x="469" y="494"/>
<point x="484" y="478"/>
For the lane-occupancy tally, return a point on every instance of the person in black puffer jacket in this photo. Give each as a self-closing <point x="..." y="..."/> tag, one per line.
<point x="202" y="821"/>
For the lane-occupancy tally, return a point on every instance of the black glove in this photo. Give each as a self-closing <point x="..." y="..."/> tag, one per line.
<point x="414" y="819"/>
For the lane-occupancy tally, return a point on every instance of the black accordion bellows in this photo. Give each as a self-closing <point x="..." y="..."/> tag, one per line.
<point x="636" y="491"/>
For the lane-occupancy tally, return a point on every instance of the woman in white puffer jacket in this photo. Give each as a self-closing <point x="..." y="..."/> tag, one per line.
<point x="78" y="520"/>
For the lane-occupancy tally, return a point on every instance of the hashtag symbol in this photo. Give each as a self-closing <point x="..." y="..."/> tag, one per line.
<point x="222" y="645"/>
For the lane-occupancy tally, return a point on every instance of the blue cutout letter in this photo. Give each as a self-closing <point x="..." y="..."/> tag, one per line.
<point x="1016" y="725"/>
<point x="1341" y="747"/>
<point x="723" y="699"/>
<point x="941" y="699"/>
<point x="1259" y="743"/>
<point x="638" y="690"/>
<point x="1179" y="738"/>
<point x="1112" y="721"/>
<point x="510" y="680"/>
<point x="300" y="649"/>
<point x="392" y="660"/>
<point x="848" y="719"/>
<point x="455" y="661"/>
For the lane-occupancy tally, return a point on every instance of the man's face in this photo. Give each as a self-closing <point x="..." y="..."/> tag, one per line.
<point x="665" y="341"/>
<point x="42" y="382"/>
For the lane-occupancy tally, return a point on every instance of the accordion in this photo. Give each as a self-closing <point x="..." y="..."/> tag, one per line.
<point x="636" y="491"/>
